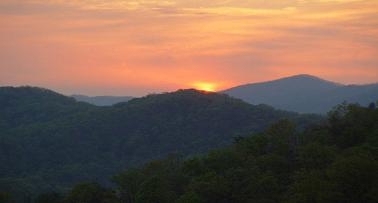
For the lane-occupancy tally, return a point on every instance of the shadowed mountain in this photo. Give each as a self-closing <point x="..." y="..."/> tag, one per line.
<point x="21" y="106"/>
<point x="49" y="140"/>
<point x="102" y="100"/>
<point x="304" y="93"/>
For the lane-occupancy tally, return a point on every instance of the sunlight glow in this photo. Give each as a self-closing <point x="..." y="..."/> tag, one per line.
<point x="205" y="86"/>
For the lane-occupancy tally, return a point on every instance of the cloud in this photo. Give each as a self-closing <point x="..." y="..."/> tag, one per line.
<point x="171" y="44"/>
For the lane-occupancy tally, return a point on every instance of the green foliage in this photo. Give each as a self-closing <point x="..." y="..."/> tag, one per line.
<point x="351" y="124"/>
<point x="48" y="141"/>
<point x="277" y="165"/>
<point x="312" y="186"/>
<point x="315" y="156"/>
<point x="129" y="183"/>
<point x="5" y="197"/>
<point x="155" y="190"/>
<point x="189" y="197"/>
<point x="334" y="162"/>
<point x="90" y="193"/>
<point x="356" y="178"/>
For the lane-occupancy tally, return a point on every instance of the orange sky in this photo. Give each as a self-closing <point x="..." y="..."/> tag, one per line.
<point x="136" y="47"/>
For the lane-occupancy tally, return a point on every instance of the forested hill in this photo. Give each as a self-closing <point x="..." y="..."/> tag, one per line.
<point x="21" y="106"/>
<point x="332" y="163"/>
<point x="49" y="141"/>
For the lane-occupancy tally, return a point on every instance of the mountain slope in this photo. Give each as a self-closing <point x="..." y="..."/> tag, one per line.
<point x="336" y="162"/>
<point x="48" y="139"/>
<point x="29" y="105"/>
<point x="304" y="93"/>
<point x="102" y="100"/>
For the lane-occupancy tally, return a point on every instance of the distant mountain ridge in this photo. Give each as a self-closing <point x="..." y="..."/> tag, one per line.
<point x="304" y="94"/>
<point x="101" y="100"/>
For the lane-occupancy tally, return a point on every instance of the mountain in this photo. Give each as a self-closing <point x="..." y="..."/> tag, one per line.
<point x="304" y="94"/>
<point x="102" y="100"/>
<point x="24" y="106"/>
<point x="336" y="162"/>
<point x="49" y="141"/>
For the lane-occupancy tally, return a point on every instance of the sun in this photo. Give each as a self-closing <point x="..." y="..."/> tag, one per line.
<point x="205" y="86"/>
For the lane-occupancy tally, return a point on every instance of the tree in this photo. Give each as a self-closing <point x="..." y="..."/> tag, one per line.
<point x="155" y="190"/>
<point x="356" y="178"/>
<point x="5" y="197"/>
<point x="90" y="193"/>
<point x="312" y="186"/>
<point x="315" y="156"/>
<point x="128" y="184"/>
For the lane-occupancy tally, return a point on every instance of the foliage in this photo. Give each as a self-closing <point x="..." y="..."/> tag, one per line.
<point x="90" y="193"/>
<point x="48" y="141"/>
<point x="332" y="162"/>
<point x="276" y="165"/>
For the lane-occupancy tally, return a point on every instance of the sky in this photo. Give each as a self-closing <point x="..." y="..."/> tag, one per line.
<point x="137" y="47"/>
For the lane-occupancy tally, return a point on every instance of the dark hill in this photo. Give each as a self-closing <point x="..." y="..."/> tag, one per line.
<point x="304" y="93"/>
<point x="49" y="141"/>
<point x="29" y="105"/>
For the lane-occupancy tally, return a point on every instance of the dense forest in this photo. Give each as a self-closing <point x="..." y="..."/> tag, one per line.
<point x="333" y="162"/>
<point x="49" y="142"/>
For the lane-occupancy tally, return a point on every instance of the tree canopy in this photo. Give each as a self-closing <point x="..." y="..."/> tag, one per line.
<point x="333" y="162"/>
<point x="48" y="141"/>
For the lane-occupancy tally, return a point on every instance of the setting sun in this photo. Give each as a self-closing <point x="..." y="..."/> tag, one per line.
<point x="206" y="86"/>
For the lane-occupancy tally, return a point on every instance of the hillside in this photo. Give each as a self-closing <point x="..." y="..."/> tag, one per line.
<point x="30" y="105"/>
<point x="304" y="93"/>
<point x="102" y="100"/>
<point x="49" y="141"/>
<point x="330" y="163"/>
